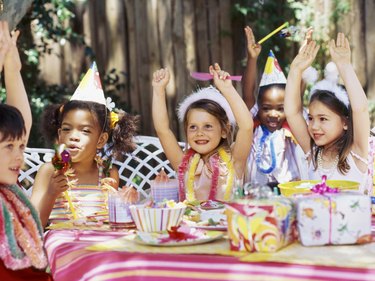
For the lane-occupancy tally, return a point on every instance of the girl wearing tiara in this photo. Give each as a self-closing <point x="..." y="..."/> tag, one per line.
<point x="335" y="139"/>
<point x="209" y="166"/>
<point x="88" y="128"/>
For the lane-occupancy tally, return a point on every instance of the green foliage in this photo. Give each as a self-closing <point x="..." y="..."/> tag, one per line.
<point x="263" y="17"/>
<point x="323" y="24"/>
<point x="342" y="7"/>
<point x="50" y="22"/>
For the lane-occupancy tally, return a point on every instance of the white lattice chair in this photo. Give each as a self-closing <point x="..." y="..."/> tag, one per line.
<point x="138" y="169"/>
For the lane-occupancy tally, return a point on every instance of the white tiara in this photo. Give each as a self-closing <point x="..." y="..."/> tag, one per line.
<point x="209" y="93"/>
<point x="329" y="83"/>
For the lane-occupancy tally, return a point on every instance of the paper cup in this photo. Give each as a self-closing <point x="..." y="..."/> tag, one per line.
<point x="156" y="219"/>
<point x="119" y="215"/>
<point x="161" y="191"/>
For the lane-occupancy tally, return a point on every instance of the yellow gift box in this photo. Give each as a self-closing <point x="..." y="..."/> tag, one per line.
<point x="262" y="225"/>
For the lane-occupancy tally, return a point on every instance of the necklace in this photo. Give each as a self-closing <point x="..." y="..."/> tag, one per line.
<point x="259" y="152"/>
<point x="20" y="231"/>
<point x="214" y="162"/>
<point x="326" y="171"/>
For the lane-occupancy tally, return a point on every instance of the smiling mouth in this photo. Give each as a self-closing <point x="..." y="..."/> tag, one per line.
<point x="201" y="142"/>
<point x="15" y="170"/>
<point x="273" y="123"/>
<point x="317" y="136"/>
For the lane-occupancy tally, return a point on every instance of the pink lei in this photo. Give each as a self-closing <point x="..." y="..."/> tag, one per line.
<point x="187" y="192"/>
<point x="21" y="243"/>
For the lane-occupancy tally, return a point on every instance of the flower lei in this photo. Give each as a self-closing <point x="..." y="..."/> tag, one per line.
<point x="214" y="162"/>
<point x="20" y="231"/>
<point x="259" y="152"/>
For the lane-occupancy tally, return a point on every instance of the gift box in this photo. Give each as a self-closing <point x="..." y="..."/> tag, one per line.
<point x="334" y="218"/>
<point x="260" y="225"/>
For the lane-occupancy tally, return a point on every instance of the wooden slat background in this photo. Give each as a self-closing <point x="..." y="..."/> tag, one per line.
<point x="140" y="36"/>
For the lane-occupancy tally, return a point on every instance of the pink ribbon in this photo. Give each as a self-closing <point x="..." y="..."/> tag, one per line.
<point x="203" y="76"/>
<point x="322" y="188"/>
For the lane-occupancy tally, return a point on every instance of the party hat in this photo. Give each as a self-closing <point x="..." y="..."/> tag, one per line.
<point x="272" y="72"/>
<point x="90" y="87"/>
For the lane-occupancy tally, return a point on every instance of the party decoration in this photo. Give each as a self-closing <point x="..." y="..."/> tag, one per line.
<point x="263" y="225"/>
<point x="272" y="73"/>
<point x="332" y="217"/>
<point x="284" y="25"/>
<point x="90" y="88"/>
<point x="61" y="162"/>
<point x="214" y="161"/>
<point x="203" y="76"/>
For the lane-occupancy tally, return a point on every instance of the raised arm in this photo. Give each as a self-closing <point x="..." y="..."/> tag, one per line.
<point x="307" y="40"/>
<point x="292" y="101"/>
<point x="241" y="147"/>
<point x="249" y="77"/>
<point x="16" y="93"/>
<point x="340" y="53"/>
<point x="160" y="118"/>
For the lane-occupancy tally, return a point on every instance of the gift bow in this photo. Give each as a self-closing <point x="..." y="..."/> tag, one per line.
<point x="322" y="188"/>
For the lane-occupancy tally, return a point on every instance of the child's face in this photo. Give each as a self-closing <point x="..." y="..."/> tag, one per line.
<point x="271" y="109"/>
<point x="11" y="155"/>
<point x="204" y="131"/>
<point x="325" y="126"/>
<point x="80" y="133"/>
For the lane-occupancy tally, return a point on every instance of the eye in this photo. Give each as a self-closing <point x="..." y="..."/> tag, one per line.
<point x="22" y="147"/>
<point x="309" y="118"/>
<point x="65" y="129"/>
<point x="86" y="131"/>
<point x="10" y="146"/>
<point x="208" y="126"/>
<point x="281" y="109"/>
<point x="192" y="128"/>
<point x="323" y="119"/>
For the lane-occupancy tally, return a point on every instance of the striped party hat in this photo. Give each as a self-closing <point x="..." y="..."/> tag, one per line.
<point x="90" y="87"/>
<point x="273" y="73"/>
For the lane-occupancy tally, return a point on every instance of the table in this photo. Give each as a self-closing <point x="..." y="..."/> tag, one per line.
<point x="70" y="259"/>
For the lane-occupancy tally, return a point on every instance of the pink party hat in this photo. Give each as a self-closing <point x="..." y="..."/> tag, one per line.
<point x="272" y="72"/>
<point x="90" y="87"/>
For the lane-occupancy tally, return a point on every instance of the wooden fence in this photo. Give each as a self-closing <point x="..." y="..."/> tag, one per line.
<point x="140" y="36"/>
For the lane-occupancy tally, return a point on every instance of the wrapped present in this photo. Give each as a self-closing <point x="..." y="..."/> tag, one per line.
<point x="260" y="225"/>
<point x="334" y="218"/>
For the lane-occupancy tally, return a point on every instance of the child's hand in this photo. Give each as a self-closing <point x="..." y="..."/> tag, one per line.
<point x="220" y="77"/>
<point x="4" y="42"/>
<point x="340" y="52"/>
<point x="160" y="78"/>
<point x="58" y="183"/>
<point x="308" y="37"/>
<point x="305" y="57"/>
<point x="109" y="182"/>
<point x="253" y="49"/>
<point x="12" y="59"/>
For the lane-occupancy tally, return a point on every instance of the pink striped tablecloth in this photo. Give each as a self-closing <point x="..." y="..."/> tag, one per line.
<point x="69" y="260"/>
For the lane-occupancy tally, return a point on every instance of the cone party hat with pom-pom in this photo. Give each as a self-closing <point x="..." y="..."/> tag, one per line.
<point x="90" y="87"/>
<point x="273" y="73"/>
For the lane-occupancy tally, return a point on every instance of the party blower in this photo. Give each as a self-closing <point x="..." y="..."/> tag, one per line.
<point x="284" y="30"/>
<point x="61" y="162"/>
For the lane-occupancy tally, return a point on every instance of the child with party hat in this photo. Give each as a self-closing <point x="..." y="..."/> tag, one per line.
<point x="274" y="157"/>
<point x="89" y="128"/>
